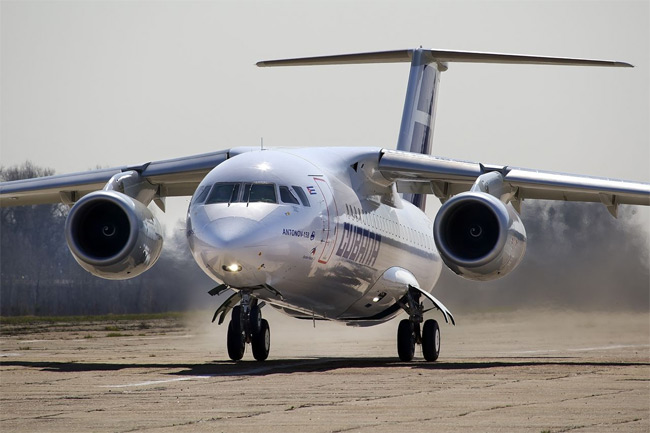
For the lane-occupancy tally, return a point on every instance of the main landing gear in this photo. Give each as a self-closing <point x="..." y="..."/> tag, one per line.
<point x="247" y="326"/>
<point x="410" y="333"/>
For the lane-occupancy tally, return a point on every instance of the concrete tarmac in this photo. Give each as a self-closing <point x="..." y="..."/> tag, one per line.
<point x="530" y="371"/>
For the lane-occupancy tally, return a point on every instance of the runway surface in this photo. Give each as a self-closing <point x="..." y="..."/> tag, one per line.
<point x="527" y="371"/>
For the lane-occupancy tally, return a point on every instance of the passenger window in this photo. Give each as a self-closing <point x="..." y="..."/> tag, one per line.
<point x="201" y="194"/>
<point x="223" y="193"/>
<point x="301" y="195"/>
<point x="262" y="192"/>
<point x="286" y="196"/>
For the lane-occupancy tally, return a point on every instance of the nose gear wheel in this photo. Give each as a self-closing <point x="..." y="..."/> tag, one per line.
<point x="261" y="341"/>
<point x="247" y="326"/>
<point x="236" y="336"/>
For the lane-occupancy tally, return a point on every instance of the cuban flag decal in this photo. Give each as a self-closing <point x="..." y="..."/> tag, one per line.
<point x="311" y="190"/>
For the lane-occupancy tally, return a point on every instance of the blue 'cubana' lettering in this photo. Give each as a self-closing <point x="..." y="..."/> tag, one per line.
<point x="359" y="245"/>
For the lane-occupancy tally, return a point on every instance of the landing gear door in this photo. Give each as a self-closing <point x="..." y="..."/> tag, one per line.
<point x="329" y="213"/>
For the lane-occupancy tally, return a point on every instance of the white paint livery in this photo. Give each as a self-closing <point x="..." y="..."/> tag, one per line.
<point x="344" y="240"/>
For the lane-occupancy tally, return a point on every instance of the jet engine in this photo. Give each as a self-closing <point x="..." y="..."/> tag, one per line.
<point x="479" y="237"/>
<point x="112" y="235"/>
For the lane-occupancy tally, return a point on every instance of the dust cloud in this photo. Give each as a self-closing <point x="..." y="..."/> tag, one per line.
<point x="578" y="257"/>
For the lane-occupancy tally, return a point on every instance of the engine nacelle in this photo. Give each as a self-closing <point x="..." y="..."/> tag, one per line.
<point x="112" y="235"/>
<point x="479" y="237"/>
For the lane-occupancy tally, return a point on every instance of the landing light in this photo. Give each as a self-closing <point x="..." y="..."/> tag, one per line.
<point x="234" y="267"/>
<point x="379" y="297"/>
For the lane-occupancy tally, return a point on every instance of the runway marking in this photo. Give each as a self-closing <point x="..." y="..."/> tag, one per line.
<point x="5" y="355"/>
<point x="50" y="341"/>
<point x="264" y="369"/>
<point x="249" y="371"/>
<point x="152" y="382"/>
<point x="582" y="349"/>
<point x="620" y="346"/>
<point x="163" y="337"/>
<point x="127" y="338"/>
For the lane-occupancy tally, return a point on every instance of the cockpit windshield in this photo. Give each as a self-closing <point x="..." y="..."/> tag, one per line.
<point x="235" y="192"/>
<point x="223" y="193"/>
<point x="259" y="192"/>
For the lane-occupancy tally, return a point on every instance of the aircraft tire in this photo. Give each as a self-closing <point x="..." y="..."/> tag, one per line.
<point x="431" y="340"/>
<point x="255" y="320"/>
<point x="236" y="341"/>
<point x="406" y="340"/>
<point x="261" y="341"/>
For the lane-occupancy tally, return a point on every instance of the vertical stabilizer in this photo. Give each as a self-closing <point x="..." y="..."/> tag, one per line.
<point x="418" y="118"/>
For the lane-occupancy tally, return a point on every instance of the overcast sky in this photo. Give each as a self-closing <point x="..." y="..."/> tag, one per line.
<point x="110" y="83"/>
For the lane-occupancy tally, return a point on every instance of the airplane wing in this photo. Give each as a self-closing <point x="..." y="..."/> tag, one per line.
<point x="174" y="177"/>
<point x="426" y="174"/>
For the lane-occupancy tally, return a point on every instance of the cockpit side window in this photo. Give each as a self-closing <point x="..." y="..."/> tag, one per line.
<point x="301" y="195"/>
<point x="286" y="196"/>
<point x="259" y="192"/>
<point x="223" y="193"/>
<point x="201" y="194"/>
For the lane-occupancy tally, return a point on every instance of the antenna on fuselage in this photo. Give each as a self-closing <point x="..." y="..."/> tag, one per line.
<point x="261" y="143"/>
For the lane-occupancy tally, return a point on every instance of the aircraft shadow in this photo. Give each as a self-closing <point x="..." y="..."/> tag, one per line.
<point x="307" y="365"/>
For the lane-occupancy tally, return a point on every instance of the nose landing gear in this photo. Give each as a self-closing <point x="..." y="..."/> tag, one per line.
<point x="247" y="326"/>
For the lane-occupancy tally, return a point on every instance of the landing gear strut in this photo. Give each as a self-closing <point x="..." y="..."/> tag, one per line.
<point x="410" y="333"/>
<point x="247" y="326"/>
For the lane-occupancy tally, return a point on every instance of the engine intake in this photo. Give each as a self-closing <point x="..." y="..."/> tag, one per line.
<point x="479" y="237"/>
<point x="112" y="235"/>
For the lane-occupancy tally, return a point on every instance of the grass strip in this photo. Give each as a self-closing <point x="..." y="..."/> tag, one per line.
<point x="25" y="320"/>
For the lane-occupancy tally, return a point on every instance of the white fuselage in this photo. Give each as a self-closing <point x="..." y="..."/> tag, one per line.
<point x="304" y="231"/>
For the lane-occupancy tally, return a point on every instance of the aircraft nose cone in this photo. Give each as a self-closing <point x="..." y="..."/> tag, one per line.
<point x="230" y="234"/>
<point x="231" y="248"/>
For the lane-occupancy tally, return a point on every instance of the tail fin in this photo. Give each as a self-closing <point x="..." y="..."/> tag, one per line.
<point x="420" y="106"/>
<point x="419" y="115"/>
<point x="416" y="130"/>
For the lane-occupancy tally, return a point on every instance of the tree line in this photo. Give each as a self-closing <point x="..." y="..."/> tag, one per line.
<point x="39" y="276"/>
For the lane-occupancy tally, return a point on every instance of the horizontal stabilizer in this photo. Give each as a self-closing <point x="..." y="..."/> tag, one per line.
<point x="441" y="56"/>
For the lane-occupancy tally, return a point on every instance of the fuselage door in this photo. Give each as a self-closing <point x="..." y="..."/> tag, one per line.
<point x="329" y="212"/>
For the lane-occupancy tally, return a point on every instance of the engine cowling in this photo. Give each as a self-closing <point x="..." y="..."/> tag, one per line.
<point x="112" y="235"/>
<point x="479" y="237"/>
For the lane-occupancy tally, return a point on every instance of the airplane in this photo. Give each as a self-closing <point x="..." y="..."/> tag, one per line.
<point x="335" y="234"/>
